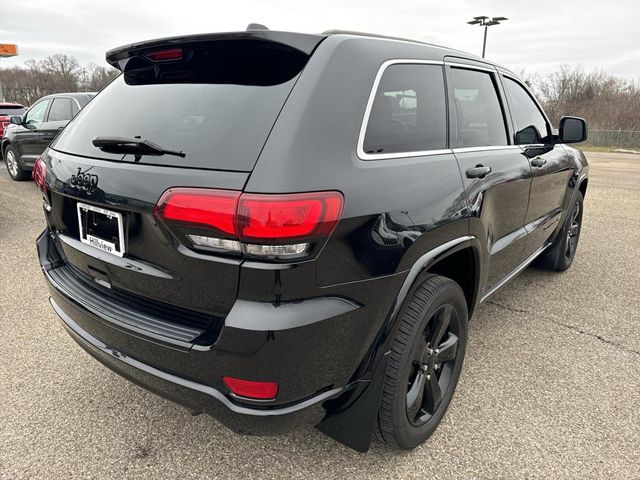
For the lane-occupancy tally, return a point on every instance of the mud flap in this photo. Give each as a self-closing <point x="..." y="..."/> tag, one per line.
<point x="353" y="416"/>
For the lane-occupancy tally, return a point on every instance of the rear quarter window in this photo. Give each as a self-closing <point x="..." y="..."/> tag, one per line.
<point x="408" y="113"/>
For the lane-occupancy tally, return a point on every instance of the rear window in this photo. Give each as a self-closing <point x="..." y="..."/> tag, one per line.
<point x="7" y="111"/>
<point x="217" y="105"/>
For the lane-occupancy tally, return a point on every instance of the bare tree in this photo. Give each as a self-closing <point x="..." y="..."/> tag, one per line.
<point x="53" y="74"/>
<point x="97" y="77"/>
<point x="606" y="101"/>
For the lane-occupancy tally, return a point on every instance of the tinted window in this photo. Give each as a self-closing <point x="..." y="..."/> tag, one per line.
<point x="408" y="113"/>
<point x="531" y="126"/>
<point x="36" y="113"/>
<point x="217" y="105"/>
<point x="61" y="109"/>
<point x="479" y="114"/>
<point x="9" y="111"/>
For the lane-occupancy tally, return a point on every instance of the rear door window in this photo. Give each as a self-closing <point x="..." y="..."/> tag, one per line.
<point x="531" y="126"/>
<point x="479" y="114"/>
<point x="408" y="113"/>
<point x="61" y="110"/>
<point x="217" y="105"/>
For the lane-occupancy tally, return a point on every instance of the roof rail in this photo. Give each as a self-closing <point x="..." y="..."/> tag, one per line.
<point x="374" y="35"/>
<point x="471" y="56"/>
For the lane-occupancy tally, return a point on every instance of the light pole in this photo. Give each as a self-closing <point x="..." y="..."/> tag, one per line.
<point x="486" y="22"/>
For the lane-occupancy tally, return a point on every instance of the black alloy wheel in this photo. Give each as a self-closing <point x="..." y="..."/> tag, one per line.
<point x="433" y="364"/>
<point x="425" y="361"/>
<point x="560" y="254"/>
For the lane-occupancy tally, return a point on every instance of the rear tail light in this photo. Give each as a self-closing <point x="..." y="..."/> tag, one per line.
<point x="39" y="173"/>
<point x="277" y="218"/>
<point x="249" y="389"/>
<point x="281" y="226"/>
<point x="215" y="209"/>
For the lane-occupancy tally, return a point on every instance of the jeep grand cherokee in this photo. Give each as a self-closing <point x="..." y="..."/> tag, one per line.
<point x="280" y="229"/>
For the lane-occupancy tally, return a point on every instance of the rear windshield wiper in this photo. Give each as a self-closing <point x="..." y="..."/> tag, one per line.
<point x="134" y="146"/>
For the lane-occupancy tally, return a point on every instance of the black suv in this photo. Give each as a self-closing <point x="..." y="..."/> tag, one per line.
<point x="26" y="137"/>
<point x="281" y="229"/>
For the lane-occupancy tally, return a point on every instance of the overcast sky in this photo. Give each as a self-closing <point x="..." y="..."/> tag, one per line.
<point x="540" y="35"/>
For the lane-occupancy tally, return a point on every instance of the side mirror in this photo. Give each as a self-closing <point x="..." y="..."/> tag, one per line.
<point x="572" y="130"/>
<point x="16" y="119"/>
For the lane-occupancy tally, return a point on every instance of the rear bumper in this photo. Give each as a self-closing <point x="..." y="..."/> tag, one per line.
<point x="196" y="397"/>
<point x="311" y="348"/>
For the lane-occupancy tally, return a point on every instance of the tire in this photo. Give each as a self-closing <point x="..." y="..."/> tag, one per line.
<point x="409" y="411"/>
<point x="14" y="165"/>
<point x="560" y="255"/>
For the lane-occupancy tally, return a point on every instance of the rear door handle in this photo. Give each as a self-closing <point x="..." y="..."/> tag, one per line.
<point x="538" y="162"/>
<point x="479" y="171"/>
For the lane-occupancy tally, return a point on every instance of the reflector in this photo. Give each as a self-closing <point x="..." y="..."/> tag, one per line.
<point x="249" y="389"/>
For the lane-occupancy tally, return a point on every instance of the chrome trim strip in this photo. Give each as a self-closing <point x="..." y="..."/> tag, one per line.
<point x="122" y="262"/>
<point x="91" y="342"/>
<point x="362" y="155"/>
<point x="486" y="148"/>
<point x="517" y="270"/>
<point x="470" y="66"/>
<point x="385" y="156"/>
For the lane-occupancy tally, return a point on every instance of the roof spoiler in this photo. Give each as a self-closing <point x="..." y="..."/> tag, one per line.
<point x="305" y="43"/>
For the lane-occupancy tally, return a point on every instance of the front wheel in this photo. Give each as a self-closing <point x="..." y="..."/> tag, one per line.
<point x="425" y="362"/>
<point x="14" y="165"/>
<point x="560" y="255"/>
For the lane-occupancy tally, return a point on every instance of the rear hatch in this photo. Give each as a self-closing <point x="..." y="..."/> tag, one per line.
<point x="8" y="110"/>
<point x="209" y="102"/>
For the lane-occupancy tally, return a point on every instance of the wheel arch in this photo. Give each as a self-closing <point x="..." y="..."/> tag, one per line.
<point x="351" y="417"/>
<point x="582" y="187"/>
<point x="444" y="260"/>
<point x="463" y="267"/>
<point x="3" y="146"/>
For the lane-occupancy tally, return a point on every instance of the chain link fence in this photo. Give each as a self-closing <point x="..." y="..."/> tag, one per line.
<point x="614" y="138"/>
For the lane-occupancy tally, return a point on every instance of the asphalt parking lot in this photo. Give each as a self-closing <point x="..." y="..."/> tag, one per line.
<point x="550" y="386"/>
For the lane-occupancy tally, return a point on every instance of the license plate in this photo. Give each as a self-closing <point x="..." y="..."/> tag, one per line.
<point x="101" y="228"/>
